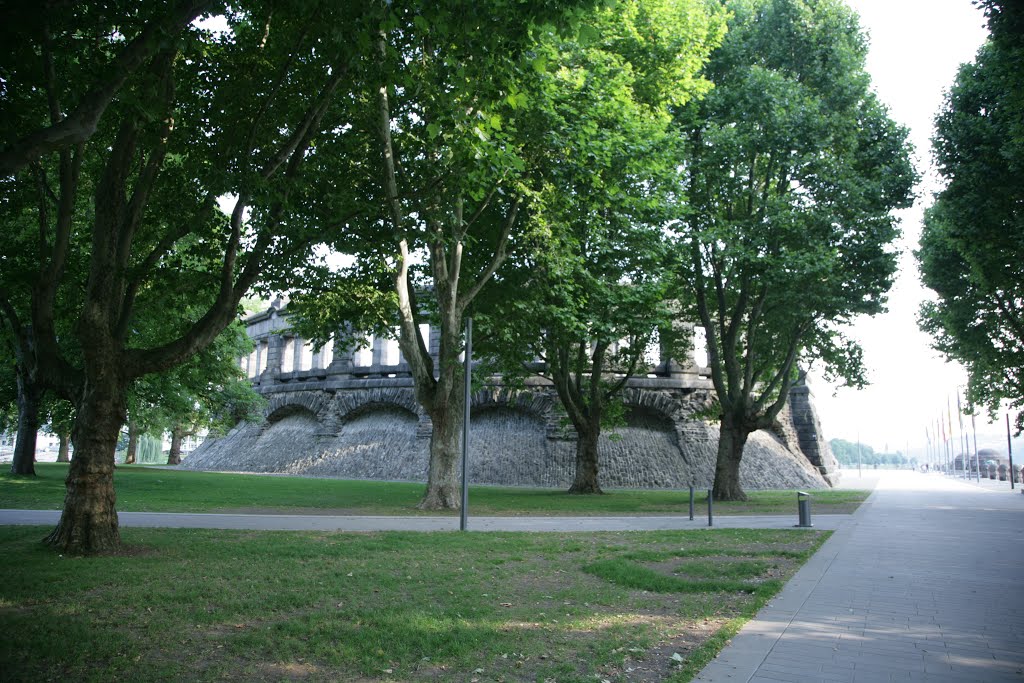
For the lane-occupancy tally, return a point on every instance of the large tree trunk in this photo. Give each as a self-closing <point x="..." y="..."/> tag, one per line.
<point x="133" y="443"/>
<point x="444" y="491"/>
<point x="28" y="425"/>
<point x="62" y="450"/>
<point x="732" y="438"/>
<point x="88" y="524"/>
<point x="586" y="459"/>
<point x="174" y="455"/>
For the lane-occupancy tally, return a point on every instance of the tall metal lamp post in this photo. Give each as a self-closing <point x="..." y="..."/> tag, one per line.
<point x="463" y="509"/>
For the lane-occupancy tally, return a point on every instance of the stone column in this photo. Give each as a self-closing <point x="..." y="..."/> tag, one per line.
<point x="377" y="356"/>
<point x="257" y="361"/>
<point x="275" y="346"/>
<point x="341" y="364"/>
<point x="297" y="344"/>
<point x="668" y="365"/>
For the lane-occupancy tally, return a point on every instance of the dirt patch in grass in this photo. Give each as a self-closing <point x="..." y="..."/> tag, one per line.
<point x="658" y="662"/>
<point x="286" y="671"/>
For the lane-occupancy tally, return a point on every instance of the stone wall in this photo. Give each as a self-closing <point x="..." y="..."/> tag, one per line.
<point x="517" y="439"/>
<point x="345" y="412"/>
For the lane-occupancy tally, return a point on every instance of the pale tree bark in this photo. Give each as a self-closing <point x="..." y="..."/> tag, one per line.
<point x="63" y="439"/>
<point x="174" y="455"/>
<point x="29" y="396"/>
<point x="443" y="486"/>
<point x="576" y="374"/>
<point x="586" y="478"/>
<point x="733" y="435"/>
<point x="133" y="442"/>
<point x="88" y="523"/>
<point x="580" y="392"/>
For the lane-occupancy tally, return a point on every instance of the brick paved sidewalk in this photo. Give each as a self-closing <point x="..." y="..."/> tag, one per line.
<point x="924" y="583"/>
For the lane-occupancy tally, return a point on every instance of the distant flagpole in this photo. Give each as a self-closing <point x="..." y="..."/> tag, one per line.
<point x="927" y="446"/>
<point x="963" y="436"/>
<point x="944" y="444"/>
<point x="977" y="460"/>
<point x="1009" y="449"/>
<point x="949" y="422"/>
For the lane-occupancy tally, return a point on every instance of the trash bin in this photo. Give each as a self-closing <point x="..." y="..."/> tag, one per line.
<point x="803" y="506"/>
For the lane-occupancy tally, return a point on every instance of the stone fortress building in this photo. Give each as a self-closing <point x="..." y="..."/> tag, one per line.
<point x="352" y="413"/>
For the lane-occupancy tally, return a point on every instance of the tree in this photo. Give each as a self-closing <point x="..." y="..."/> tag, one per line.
<point x="793" y="169"/>
<point x="61" y="423"/>
<point x="441" y="200"/>
<point x="28" y="398"/>
<point x="48" y="413"/>
<point x="8" y="395"/>
<point x="243" y="124"/>
<point x="590" y="296"/>
<point x="972" y="247"/>
<point x="25" y="221"/>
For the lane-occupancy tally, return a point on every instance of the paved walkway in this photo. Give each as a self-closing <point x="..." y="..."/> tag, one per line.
<point x="924" y="583"/>
<point x="425" y="523"/>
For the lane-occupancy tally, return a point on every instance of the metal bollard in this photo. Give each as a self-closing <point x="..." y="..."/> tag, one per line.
<point x="691" y="503"/>
<point x="711" y="499"/>
<point x="803" y="506"/>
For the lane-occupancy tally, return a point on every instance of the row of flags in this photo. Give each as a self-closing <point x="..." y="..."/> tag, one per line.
<point x="939" y="437"/>
<point x="940" y="432"/>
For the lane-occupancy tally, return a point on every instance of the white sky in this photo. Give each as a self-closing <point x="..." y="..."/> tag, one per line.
<point x="916" y="49"/>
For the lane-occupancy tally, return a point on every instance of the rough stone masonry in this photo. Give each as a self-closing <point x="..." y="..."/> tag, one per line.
<point x="352" y="413"/>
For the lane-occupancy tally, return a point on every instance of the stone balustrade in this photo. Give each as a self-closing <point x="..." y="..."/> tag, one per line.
<point x="281" y="360"/>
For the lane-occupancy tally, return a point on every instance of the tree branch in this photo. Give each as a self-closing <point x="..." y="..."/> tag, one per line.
<point x="223" y="310"/>
<point x="569" y="397"/>
<point x="752" y="321"/>
<point x="162" y="70"/>
<point x="1011" y="316"/>
<point x="81" y="123"/>
<point x="780" y="382"/>
<point x="711" y="335"/>
<point x="133" y="285"/>
<point x="636" y="350"/>
<point x="500" y="254"/>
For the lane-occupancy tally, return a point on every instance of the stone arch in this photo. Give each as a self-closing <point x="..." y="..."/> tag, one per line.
<point x="658" y="402"/>
<point x="378" y="406"/>
<point x="509" y="443"/>
<point x="282" y="405"/>
<point x="375" y="439"/>
<point x="537" y="403"/>
<point x="348" y="404"/>
<point x="645" y="452"/>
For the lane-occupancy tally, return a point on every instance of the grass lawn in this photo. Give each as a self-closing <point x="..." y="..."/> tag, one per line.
<point x="205" y="605"/>
<point x="143" y="489"/>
